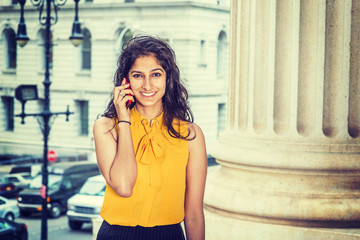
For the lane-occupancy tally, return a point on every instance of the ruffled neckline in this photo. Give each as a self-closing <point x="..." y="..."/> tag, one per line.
<point x="137" y="117"/>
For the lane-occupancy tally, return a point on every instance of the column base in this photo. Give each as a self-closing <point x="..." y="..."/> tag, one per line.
<point x="220" y="227"/>
<point x="248" y="186"/>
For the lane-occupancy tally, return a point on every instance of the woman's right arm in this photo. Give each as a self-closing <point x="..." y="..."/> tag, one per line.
<point x="116" y="159"/>
<point x="114" y="150"/>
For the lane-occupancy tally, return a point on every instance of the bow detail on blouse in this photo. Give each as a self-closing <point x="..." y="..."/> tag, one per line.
<point x="151" y="149"/>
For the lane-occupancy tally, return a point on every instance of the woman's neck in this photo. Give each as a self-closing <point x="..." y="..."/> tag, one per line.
<point x="149" y="112"/>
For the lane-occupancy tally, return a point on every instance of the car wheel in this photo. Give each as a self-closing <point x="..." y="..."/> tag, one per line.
<point x="55" y="210"/>
<point x="75" y="225"/>
<point x="10" y="217"/>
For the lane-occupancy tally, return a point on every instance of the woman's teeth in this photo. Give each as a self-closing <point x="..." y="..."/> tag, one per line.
<point x="148" y="94"/>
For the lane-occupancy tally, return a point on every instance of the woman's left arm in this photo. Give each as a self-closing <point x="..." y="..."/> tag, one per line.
<point x="195" y="186"/>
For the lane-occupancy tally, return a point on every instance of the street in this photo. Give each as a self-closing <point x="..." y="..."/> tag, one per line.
<point x="58" y="229"/>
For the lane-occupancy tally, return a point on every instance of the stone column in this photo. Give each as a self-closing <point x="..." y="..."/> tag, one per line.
<point x="290" y="157"/>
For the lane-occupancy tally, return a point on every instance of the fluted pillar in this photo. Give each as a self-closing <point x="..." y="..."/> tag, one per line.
<point x="291" y="153"/>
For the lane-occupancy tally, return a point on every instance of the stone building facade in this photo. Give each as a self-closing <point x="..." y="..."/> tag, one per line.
<point x="82" y="77"/>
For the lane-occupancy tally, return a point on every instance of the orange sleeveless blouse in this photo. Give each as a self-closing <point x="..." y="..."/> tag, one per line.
<point x="159" y="192"/>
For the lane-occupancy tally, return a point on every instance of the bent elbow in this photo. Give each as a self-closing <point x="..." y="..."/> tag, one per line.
<point x="122" y="185"/>
<point x="123" y="191"/>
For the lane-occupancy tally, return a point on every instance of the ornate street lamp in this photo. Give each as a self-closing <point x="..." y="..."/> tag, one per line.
<point x="21" y="36"/>
<point x="76" y="34"/>
<point x="29" y="92"/>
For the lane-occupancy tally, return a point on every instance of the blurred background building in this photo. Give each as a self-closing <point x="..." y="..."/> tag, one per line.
<point x="82" y="77"/>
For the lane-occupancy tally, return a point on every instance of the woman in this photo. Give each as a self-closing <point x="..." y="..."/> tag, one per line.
<point x="152" y="155"/>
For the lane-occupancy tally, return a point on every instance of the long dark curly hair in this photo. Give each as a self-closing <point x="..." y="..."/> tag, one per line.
<point x="175" y="99"/>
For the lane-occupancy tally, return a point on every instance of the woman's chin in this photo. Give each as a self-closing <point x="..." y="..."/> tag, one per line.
<point x="148" y="103"/>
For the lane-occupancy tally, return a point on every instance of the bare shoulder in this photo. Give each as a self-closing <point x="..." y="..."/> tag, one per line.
<point x="196" y="134"/>
<point x="194" y="129"/>
<point x="197" y="153"/>
<point x="104" y="125"/>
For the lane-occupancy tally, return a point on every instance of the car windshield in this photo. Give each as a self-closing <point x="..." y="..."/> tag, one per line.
<point x="9" y="179"/>
<point x="53" y="183"/>
<point x="93" y="188"/>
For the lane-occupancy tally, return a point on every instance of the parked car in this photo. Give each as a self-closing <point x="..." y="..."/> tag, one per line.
<point x="13" y="230"/>
<point x="8" y="209"/>
<point x="8" y="190"/>
<point x="12" y="184"/>
<point x="86" y="205"/>
<point x="28" y="169"/>
<point x="64" y="180"/>
<point x="21" y="181"/>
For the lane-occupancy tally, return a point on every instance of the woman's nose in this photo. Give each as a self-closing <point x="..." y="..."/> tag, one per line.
<point x="147" y="83"/>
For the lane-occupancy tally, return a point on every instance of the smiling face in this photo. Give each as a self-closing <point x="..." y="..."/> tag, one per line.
<point x="148" y="82"/>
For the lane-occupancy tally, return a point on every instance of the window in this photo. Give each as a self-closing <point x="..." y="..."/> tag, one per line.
<point x="9" y="112"/>
<point x="124" y="36"/>
<point x="83" y="110"/>
<point x="41" y="43"/>
<point x="86" y="51"/>
<point x="202" y="62"/>
<point x="10" y="46"/>
<point x="221" y="53"/>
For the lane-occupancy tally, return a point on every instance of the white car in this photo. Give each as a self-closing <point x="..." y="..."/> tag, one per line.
<point x="86" y="205"/>
<point x="9" y="209"/>
<point x="19" y="180"/>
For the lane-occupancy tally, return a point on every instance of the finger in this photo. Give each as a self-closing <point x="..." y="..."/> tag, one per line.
<point x="122" y="103"/>
<point x="118" y="90"/>
<point x="127" y="98"/>
<point x="127" y="91"/>
<point x="116" y="94"/>
<point x="123" y="82"/>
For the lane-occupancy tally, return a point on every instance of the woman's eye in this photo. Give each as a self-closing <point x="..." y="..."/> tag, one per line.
<point x="136" y="75"/>
<point x="156" y="74"/>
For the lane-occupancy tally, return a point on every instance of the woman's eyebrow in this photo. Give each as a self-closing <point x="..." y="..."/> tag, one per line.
<point x="156" y="69"/>
<point x="153" y="70"/>
<point x="135" y="71"/>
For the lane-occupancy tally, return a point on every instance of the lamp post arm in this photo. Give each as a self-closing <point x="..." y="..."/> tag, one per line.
<point x="23" y="114"/>
<point x="22" y="3"/>
<point x="76" y="10"/>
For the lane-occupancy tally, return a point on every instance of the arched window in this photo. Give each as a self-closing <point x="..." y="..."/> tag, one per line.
<point x="86" y="51"/>
<point x="41" y="36"/>
<point x="10" y="48"/>
<point x="221" y="53"/>
<point x="124" y="36"/>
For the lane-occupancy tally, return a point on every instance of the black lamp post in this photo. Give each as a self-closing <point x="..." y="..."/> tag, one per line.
<point x="29" y="92"/>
